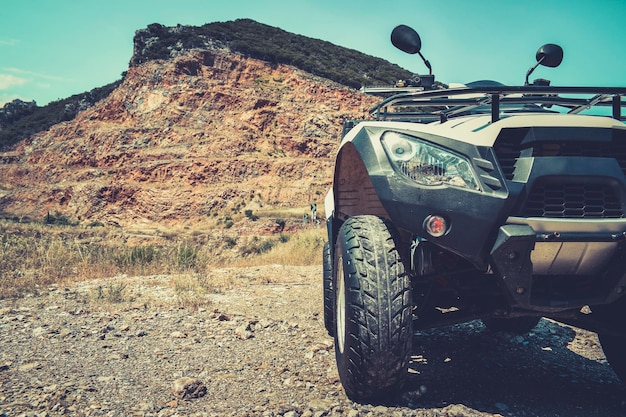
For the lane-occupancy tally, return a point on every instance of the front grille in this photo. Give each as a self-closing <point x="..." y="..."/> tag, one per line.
<point x="507" y="154"/>
<point x="509" y="147"/>
<point x="584" y="200"/>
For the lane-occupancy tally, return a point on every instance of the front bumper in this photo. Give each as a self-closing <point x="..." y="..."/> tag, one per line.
<point x="530" y="254"/>
<point x="527" y="255"/>
<point x="473" y="217"/>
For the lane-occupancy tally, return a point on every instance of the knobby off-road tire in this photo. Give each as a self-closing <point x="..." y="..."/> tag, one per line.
<point x="329" y="291"/>
<point x="517" y="325"/>
<point x="373" y="309"/>
<point x="614" y="346"/>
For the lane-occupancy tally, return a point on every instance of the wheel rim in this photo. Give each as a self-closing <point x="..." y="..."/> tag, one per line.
<point x="340" y="319"/>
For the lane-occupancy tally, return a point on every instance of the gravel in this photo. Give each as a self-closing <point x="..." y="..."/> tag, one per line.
<point x="258" y="348"/>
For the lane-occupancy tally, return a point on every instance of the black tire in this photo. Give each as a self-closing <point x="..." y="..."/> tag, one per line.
<point x="614" y="346"/>
<point x="329" y="291"/>
<point x="373" y="310"/>
<point x="518" y="325"/>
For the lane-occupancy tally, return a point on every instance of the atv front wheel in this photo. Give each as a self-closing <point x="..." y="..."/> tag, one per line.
<point x="373" y="309"/>
<point x="613" y="345"/>
<point x="614" y="348"/>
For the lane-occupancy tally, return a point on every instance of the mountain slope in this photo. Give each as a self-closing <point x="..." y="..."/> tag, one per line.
<point x="194" y="139"/>
<point x="247" y="37"/>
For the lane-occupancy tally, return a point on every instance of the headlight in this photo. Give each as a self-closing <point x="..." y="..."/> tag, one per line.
<point x="426" y="163"/>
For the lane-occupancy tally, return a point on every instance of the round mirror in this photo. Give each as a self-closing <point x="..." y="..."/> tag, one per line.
<point x="406" y="39"/>
<point x="550" y="55"/>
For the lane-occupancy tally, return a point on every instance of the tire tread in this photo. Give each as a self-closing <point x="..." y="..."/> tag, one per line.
<point x="378" y="288"/>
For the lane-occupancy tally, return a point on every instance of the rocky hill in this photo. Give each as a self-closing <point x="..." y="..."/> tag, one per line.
<point x="19" y="119"/>
<point x="197" y="138"/>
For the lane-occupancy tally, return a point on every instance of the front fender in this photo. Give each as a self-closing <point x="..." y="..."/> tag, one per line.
<point x="361" y="156"/>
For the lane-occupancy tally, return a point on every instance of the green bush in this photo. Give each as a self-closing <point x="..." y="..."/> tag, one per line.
<point x="257" y="246"/>
<point x="230" y="242"/>
<point x="137" y="256"/>
<point x="58" y="219"/>
<point x="251" y="216"/>
<point x="187" y="256"/>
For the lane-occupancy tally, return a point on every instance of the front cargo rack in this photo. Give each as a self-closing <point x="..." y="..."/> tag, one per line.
<point x="425" y="106"/>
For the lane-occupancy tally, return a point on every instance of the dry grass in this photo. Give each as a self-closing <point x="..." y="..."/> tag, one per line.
<point x="192" y="289"/>
<point x="35" y="256"/>
<point x="302" y="248"/>
<point x="112" y="293"/>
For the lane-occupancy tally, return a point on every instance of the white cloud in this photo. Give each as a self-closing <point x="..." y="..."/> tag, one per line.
<point x="33" y="74"/>
<point x="7" y="81"/>
<point x="8" y="42"/>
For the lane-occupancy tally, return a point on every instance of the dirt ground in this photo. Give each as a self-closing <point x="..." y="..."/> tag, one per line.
<point x="137" y="347"/>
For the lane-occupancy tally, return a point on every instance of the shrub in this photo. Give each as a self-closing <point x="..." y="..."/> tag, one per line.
<point x="251" y="216"/>
<point x="113" y="293"/>
<point x="58" y="219"/>
<point x="257" y="246"/>
<point x="187" y="256"/>
<point x="230" y="242"/>
<point x="137" y="256"/>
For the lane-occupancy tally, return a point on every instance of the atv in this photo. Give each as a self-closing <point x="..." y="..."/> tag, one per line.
<point x="481" y="201"/>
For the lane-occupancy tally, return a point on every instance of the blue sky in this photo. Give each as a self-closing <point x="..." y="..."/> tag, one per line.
<point x="51" y="49"/>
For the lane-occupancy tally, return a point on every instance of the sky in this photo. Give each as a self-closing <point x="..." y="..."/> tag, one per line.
<point x="52" y="49"/>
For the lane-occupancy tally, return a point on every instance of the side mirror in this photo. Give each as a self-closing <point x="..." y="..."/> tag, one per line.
<point x="550" y="55"/>
<point x="406" y="39"/>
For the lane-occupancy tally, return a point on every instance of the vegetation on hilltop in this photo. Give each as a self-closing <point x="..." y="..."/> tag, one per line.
<point x="256" y="40"/>
<point x="37" y="119"/>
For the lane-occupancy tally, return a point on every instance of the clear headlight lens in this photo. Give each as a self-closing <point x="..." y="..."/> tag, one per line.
<point x="428" y="164"/>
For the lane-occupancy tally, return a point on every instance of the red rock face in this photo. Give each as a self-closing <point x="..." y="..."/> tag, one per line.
<point x="184" y="139"/>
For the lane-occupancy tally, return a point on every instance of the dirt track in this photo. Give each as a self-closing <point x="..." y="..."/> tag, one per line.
<point x="259" y="348"/>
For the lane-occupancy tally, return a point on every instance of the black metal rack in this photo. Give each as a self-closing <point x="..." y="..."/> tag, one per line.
<point x="432" y="105"/>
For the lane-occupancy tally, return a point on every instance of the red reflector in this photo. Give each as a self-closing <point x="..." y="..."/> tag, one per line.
<point x="436" y="226"/>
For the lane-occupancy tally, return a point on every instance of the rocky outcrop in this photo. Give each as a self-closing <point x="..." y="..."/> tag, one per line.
<point x="196" y="138"/>
<point x="162" y="42"/>
<point x="20" y="119"/>
<point x="15" y="110"/>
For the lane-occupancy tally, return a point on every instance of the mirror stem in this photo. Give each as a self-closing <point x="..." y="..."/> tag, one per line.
<point x="427" y="63"/>
<point x="534" y="67"/>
